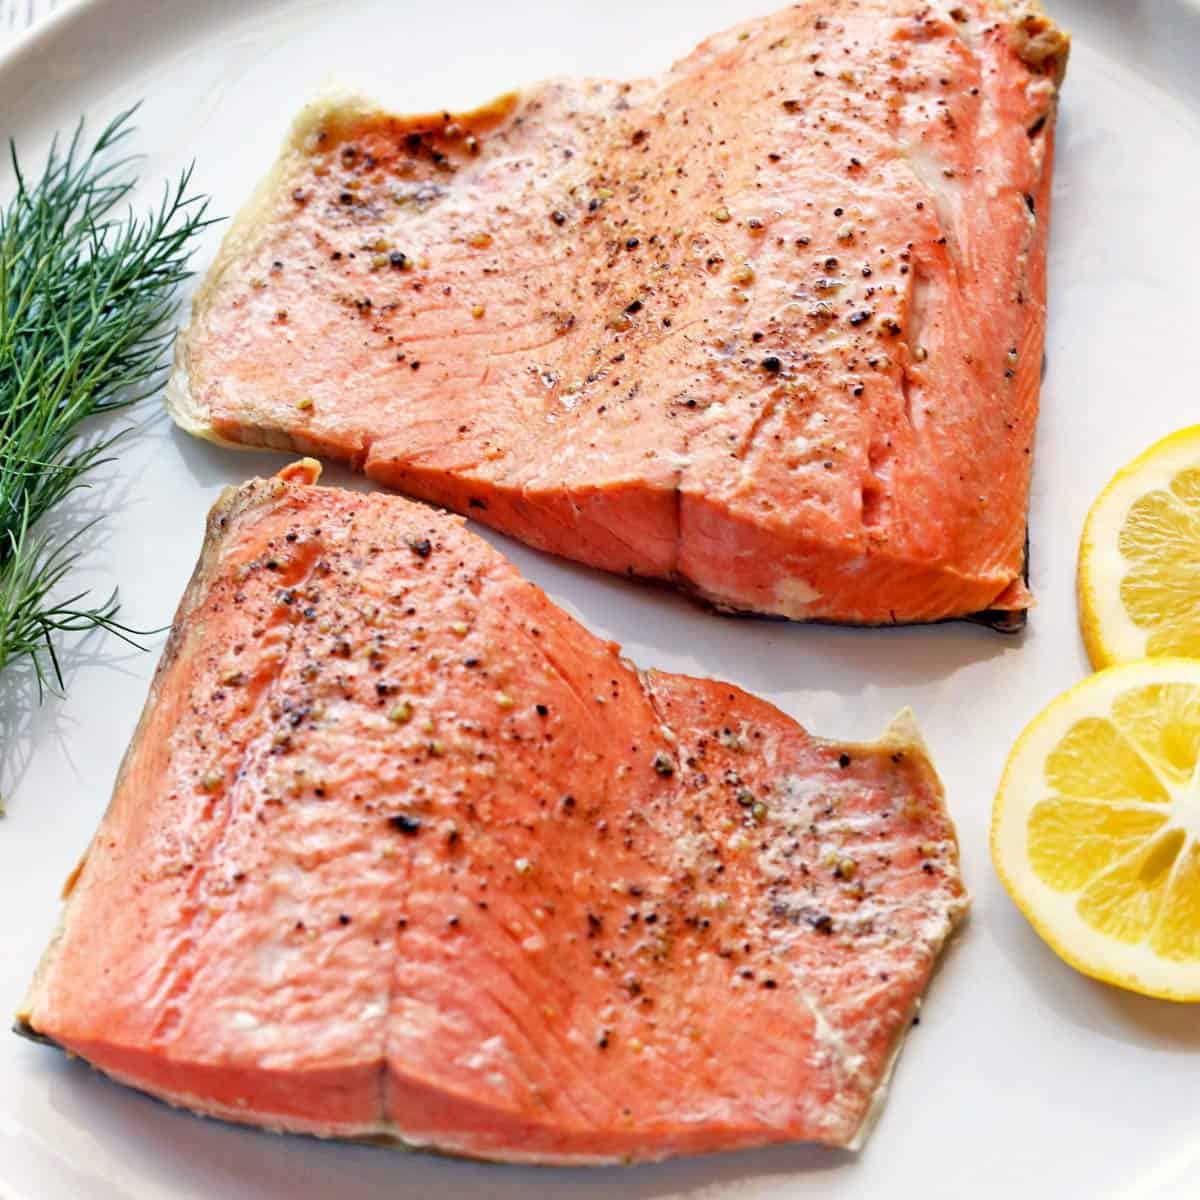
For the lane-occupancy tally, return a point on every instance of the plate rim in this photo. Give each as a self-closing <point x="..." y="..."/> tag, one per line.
<point x="32" y="43"/>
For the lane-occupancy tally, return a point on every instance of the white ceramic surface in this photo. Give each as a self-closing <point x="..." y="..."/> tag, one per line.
<point x="1023" y="1077"/>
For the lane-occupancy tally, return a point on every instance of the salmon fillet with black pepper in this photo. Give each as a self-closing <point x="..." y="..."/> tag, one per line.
<point x="767" y="327"/>
<point x="400" y="851"/>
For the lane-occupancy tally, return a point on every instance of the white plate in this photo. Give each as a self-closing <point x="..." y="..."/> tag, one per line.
<point x="1023" y="1078"/>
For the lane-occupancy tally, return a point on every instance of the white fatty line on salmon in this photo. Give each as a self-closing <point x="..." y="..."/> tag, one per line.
<point x="806" y="799"/>
<point x="874" y="924"/>
<point x="825" y="1035"/>
<point x="793" y="597"/>
<point x="988" y="124"/>
<point x="850" y="1064"/>
<point x="866" y="857"/>
<point x="945" y="192"/>
<point x="491" y="1052"/>
<point x="275" y="959"/>
<point x="691" y="849"/>
<point x="200" y="923"/>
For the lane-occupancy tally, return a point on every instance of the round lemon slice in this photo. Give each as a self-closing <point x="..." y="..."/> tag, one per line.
<point x="1139" y="558"/>
<point x="1096" y="826"/>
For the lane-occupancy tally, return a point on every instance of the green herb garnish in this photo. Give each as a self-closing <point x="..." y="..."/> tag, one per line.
<point x="87" y="293"/>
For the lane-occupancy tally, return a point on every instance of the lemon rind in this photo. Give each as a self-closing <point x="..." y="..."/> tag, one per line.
<point x="1109" y="633"/>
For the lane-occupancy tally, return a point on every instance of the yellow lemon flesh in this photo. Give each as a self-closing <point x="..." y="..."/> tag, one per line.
<point x="1096" y="826"/>
<point x="1139" y="558"/>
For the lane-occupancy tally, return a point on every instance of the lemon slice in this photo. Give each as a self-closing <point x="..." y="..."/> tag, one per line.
<point x="1096" y="826"/>
<point x="1139" y="559"/>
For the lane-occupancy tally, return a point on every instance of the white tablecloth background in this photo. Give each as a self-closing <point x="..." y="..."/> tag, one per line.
<point x="18" y="15"/>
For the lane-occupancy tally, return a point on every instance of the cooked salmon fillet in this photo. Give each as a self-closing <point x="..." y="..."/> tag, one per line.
<point x="768" y="327"/>
<point x="399" y="850"/>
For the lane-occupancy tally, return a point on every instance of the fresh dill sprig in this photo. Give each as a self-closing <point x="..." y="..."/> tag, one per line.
<point x="87" y="294"/>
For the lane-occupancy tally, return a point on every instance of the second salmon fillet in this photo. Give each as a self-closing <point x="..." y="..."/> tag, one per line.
<point x="401" y="851"/>
<point x="767" y="327"/>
